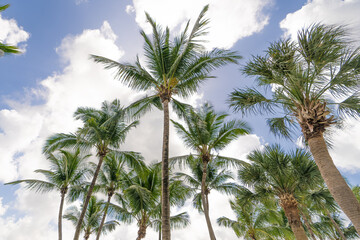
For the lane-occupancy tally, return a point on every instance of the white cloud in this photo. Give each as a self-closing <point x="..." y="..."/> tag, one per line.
<point x="11" y="33"/>
<point x="325" y="11"/>
<point x="229" y="21"/>
<point x="78" y="2"/>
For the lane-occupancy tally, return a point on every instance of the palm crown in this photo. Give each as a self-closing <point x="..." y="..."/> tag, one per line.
<point x="314" y="81"/>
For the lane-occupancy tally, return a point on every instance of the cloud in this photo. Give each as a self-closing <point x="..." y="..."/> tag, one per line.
<point x="11" y="33"/>
<point x="78" y="2"/>
<point x="325" y="11"/>
<point x="228" y="22"/>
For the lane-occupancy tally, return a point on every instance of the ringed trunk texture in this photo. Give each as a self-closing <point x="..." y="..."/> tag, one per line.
<point x="88" y="196"/>
<point x="289" y="204"/>
<point x="104" y="216"/>
<point x="205" y="201"/>
<point x="142" y="228"/>
<point x="60" y="214"/>
<point x="165" y="201"/>
<point x="334" y="181"/>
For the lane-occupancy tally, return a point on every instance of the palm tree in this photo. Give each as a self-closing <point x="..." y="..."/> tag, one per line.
<point x="141" y="200"/>
<point x="4" y="48"/>
<point x="175" y="67"/>
<point x="103" y="130"/>
<point x="110" y="181"/>
<point x="215" y="180"/>
<point x="67" y="169"/>
<point x="255" y="221"/>
<point x="207" y="132"/>
<point x="92" y="220"/>
<point x="307" y="77"/>
<point x="274" y="173"/>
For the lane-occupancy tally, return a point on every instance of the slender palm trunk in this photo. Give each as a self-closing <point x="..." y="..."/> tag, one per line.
<point x="205" y="201"/>
<point x="104" y="216"/>
<point x="60" y="213"/>
<point x="165" y="201"/>
<point x="334" y="181"/>
<point x="336" y="225"/>
<point x="308" y="226"/>
<point x="88" y="196"/>
<point x="289" y="204"/>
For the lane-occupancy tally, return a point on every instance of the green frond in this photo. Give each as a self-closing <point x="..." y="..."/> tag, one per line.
<point x="350" y="106"/>
<point x="58" y="141"/>
<point x="282" y="126"/>
<point x="144" y="105"/>
<point x="36" y="185"/>
<point x="250" y="101"/>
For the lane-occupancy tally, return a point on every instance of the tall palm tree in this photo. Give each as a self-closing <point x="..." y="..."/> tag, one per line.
<point x="103" y="130"/>
<point x="5" y="48"/>
<point x="110" y="181"/>
<point x="255" y="222"/>
<point x="92" y="220"/>
<point x="307" y="78"/>
<point x="67" y="169"/>
<point x="207" y="132"/>
<point x="216" y="179"/>
<point x="274" y="173"/>
<point x="176" y="67"/>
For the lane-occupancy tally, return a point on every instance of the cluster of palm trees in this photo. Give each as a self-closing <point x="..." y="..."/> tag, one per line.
<point x="314" y="84"/>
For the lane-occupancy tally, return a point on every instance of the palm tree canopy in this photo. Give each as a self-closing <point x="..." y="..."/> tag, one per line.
<point x="272" y="171"/>
<point x="206" y="131"/>
<point x="66" y="169"/>
<point x="172" y="66"/>
<point x="92" y="218"/>
<point x="103" y="129"/>
<point x="314" y="80"/>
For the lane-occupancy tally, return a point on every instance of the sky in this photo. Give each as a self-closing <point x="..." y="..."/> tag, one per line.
<point x="41" y="88"/>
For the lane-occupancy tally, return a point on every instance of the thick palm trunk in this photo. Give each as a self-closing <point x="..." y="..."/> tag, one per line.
<point x="104" y="216"/>
<point x="88" y="196"/>
<point x="165" y="201"/>
<point x="334" y="181"/>
<point x="205" y="201"/>
<point x="60" y="214"/>
<point x="289" y="204"/>
<point x="336" y="226"/>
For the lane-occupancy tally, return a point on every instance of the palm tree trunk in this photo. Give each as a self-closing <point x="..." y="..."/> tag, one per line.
<point x="104" y="216"/>
<point x="335" y="225"/>
<point x="142" y="228"/>
<point x="308" y="226"/>
<point x="165" y="201"/>
<point x="289" y="204"/>
<point x="60" y="214"/>
<point x="334" y="181"/>
<point x="88" y="196"/>
<point x="205" y="201"/>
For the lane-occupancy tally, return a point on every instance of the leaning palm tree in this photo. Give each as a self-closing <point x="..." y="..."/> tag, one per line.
<point x="103" y="130"/>
<point x="216" y="179"/>
<point x="176" y="67"/>
<point x="68" y="169"/>
<point x="206" y="132"/>
<point x="5" y="48"/>
<point x="314" y="82"/>
<point x="273" y="173"/>
<point x="255" y="222"/>
<point x="92" y="218"/>
<point x="110" y="181"/>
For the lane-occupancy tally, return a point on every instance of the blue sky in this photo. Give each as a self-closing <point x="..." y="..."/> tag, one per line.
<point x="41" y="88"/>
